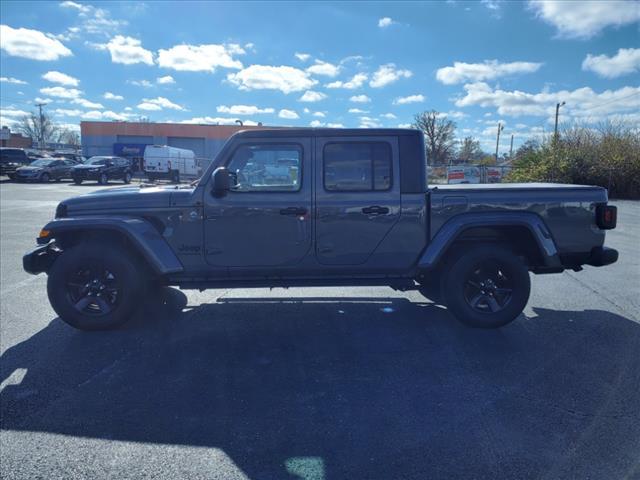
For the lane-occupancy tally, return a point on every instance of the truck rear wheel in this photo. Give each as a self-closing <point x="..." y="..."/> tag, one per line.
<point x="487" y="287"/>
<point x="95" y="286"/>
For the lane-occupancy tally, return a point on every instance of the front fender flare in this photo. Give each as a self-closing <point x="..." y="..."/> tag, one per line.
<point x="458" y="224"/>
<point x="145" y="238"/>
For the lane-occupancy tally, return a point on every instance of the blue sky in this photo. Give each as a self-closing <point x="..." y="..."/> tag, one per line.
<point x="346" y="64"/>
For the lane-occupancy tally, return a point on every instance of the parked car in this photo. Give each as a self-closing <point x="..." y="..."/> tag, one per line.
<point x="44" y="170"/>
<point x="356" y="210"/>
<point x="102" y="169"/>
<point x="162" y="161"/>
<point x="11" y="159"/>
<point x="76" y="158"/>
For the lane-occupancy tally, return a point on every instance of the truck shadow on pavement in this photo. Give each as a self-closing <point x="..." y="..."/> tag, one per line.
<point x="344" y="388"/>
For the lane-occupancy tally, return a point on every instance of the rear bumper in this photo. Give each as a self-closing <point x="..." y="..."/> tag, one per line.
<point x="601" y="256"/>
<point x="39" y="260"/>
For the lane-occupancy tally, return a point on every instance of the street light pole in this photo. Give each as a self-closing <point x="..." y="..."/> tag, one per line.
<point x="555" y="128"/>
<point x="41" y="132"/>
<point x="500" y="128"/>
<point x="511" y="148"/>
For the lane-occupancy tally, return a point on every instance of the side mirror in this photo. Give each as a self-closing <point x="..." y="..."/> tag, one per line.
<point x="220" y="181"/>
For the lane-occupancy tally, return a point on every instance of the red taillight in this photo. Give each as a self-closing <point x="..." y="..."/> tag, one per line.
<point x="606" y="216"/>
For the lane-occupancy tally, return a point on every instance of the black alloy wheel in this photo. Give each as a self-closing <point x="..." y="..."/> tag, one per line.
<point x="487" y="288"/>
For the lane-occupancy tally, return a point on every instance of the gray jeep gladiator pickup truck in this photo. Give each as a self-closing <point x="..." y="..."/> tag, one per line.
<point x="319" y="207"/>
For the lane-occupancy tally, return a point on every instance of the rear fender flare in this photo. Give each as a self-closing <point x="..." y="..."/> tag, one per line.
<point x="141" y="233"/>
<point x="454" y="227"/>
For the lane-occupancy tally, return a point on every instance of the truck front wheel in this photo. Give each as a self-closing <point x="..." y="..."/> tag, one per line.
<point x="95" y="286"/>
<point x="487" y="287"/>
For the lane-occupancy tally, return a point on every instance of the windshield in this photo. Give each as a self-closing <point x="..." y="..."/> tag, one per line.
<point x="41" y="163"/>
<point x="96" y="161"/>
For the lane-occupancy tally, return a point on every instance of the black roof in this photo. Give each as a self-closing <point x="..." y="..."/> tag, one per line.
<point x="326" y="132"/>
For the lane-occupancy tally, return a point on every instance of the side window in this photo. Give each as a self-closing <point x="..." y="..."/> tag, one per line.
<point x="357" y="166"/>
<point x="267" y="167"/>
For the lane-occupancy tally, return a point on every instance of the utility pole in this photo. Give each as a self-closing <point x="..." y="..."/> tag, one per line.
<point x="41" y="132"/>
<point x="500" y="128"/>
<point x="555" y="129"/>
<point x="511" y="148"/>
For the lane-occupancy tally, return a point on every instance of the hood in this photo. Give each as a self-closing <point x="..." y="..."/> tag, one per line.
<point x="30" y="169"/>
<point x="113" y="200"/>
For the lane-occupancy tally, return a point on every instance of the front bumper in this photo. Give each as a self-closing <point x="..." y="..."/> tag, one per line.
<point x="86" y="175"/>
<point x="40" y="259"/>
<point x="601" y="256"/>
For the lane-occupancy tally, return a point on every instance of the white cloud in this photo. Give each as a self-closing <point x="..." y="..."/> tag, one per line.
<point x="303" y="57"/>
<point x="385" y="22"/>
<point x="493" y="6"/>
<point x="585" y="19"/>
<point x="360" y="99"/>
<point x="356" y="82"/>
<point x="127" y="50"/>
<point x="323" y="68"/>
<point x="387" y="74"/>
<point x="409" y="99"/>
<point x="216" y="121"/>
<point x="128" y="109"/>
<point x="390" y="116"/>
<point x="106" y="115"/>
<point x="405" y="125"/>
<point x="12" y="80"/>
<point x="581" y="102"/>
<point x="488" y="70"/>
<point x="319" y="114"/>
<point x="112" y="96"/>
<point x="266" y="77"/>
<point x="243" y="109"/>
<point x="368" y="122"/>
<point x="166" y="80"/>
<point x="86" y="103"/>
<point x="311" y="96"/>
<point x="93" y="20"/>
<point x="335" y="125"/>
<point x="357" y="110"/>
<point x="42" y="100"/>
<point x="158" y="103"/>
<point x="61" y="78"/>
<point x="316" y="123"/>
<point x="77" y="6"/>
<point x="141" y="83"/>
<point x="61" y="92"/>
<point x="13" y="112"/>
<point x="288" y="114"/>
<point x="64" y="112"/>
<point x="32" y="44"/>
<point x="626" y="61"/>
<point x="200" y="58"/>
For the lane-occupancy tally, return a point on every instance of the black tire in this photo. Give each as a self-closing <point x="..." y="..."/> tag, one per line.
<point x="175" y="177"/>
<point x="127" y="177"/>
<point x="45" y="177"/>
<point x="487" y="286"/>
<point x="77" y="181"/>
<point x="103" y="179"/>
<point x="95" y="286"/>
<point x="11" y="177"/>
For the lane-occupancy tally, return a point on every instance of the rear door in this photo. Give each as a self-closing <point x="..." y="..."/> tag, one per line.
<point x="357" y="196"/>
<point x="265" y="221"/>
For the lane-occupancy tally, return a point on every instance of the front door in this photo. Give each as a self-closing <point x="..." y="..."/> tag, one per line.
<point x="357" y="197"/>
<point x="265" y="220"/>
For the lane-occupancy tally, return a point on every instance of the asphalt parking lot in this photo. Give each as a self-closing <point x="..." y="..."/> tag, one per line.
<point x="319" y="383"/>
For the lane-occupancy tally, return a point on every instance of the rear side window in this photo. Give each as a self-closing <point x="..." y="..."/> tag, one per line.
<point x="357" y="167"/>
<point x="267" y="167"/>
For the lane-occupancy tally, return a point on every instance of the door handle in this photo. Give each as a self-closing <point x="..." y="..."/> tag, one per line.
<point x="375" y="210"/>
<point x="293" y="211"/>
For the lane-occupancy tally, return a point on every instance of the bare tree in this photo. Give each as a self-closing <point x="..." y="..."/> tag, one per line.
<point x="470" y="151"/>
<point x="31" y="126"/>
<point x="68" y="136"/>
<point x="439" y="134"/>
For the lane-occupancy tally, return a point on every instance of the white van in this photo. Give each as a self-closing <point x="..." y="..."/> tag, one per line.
<point x="162" y="161"/>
